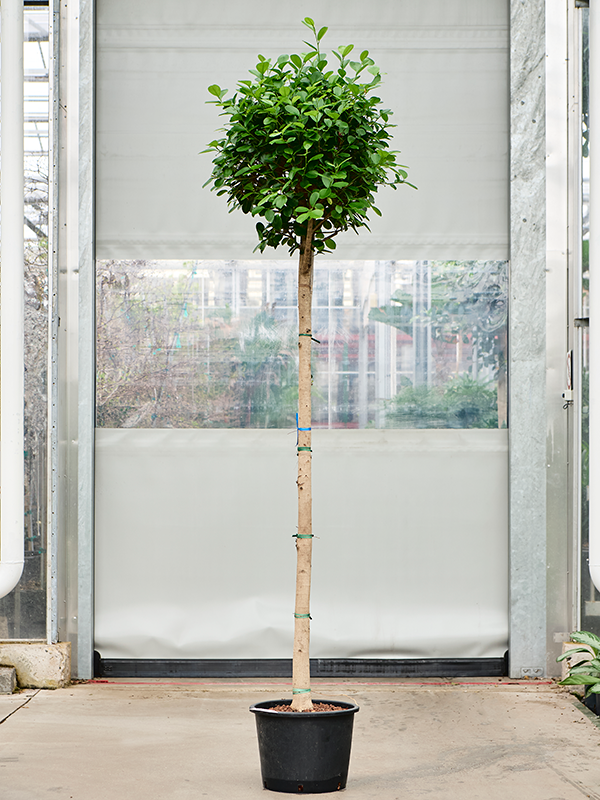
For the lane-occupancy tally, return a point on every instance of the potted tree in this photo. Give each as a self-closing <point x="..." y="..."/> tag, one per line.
<point x="304" y="150"/>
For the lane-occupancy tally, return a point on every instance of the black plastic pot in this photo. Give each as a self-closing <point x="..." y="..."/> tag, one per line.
<point x="305" y="752"/>
<point x="591" y="701"/>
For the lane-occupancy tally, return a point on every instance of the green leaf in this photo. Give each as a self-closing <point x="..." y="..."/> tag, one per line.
<point x="280" y="201"/>
<point x="292" y="110"/>
<point x="321" y="34"/>
<point x="347" y="49"/>
<point x="584" y="669"/>
<point x="585" y="637"/>
<point x="579" y="680"/>
<point x="296" y="61"/>
<point x="595" y="689"/>
<point x="313" y="198"/>
<point x="310" y="23"/>
<point x="269" y="215"/>
<point x="326" y="181"/>
<point x="364" y="55"/>
<point x="330" y="244"/>
<point x="376" y="210"/>
<point x="215" y="90"/>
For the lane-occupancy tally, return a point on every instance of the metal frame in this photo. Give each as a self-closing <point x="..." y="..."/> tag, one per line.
<point x="594" y="362"/>
<point x="53" y="321"/>
<point x="73" y="339"/>
<point x="558" y="400"/>
<point x="530" y="587"/>
<point x="87" y="341"/>
<point x="575" y="309"/>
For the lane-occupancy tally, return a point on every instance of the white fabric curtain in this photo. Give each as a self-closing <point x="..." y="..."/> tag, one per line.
<point x="195" y="556"/>
<point x="446" y="79"/>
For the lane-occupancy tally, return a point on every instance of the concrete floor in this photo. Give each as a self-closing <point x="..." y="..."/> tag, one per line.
<point x="438" y="739"/>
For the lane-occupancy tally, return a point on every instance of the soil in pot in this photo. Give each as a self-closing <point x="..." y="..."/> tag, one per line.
<point x="304" y="752"/>
<point x="317" y="708"/>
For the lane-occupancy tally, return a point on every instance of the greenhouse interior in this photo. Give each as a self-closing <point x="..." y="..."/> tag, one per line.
<point x="156" y="349"/>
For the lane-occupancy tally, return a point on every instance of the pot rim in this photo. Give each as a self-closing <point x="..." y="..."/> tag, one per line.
<point x="264" y="707"/>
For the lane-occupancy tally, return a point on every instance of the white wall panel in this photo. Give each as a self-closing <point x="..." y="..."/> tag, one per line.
<point x="446" y="65"/>
<point x="194" y="555"/>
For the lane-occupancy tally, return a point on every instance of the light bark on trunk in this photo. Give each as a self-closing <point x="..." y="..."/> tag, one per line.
<point x="301" y="700"/>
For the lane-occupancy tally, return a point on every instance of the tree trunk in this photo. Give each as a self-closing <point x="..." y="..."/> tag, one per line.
<point x="301" y="700"/>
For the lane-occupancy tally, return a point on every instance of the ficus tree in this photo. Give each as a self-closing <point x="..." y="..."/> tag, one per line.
<point x="305" y="148"/>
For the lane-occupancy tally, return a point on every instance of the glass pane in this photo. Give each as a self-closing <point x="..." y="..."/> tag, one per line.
<point x="590" y="611"/>
<point x="23" y="611"/>
<point x="398" y="344"/>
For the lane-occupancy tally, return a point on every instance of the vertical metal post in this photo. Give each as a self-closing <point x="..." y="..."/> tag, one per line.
<point x="53" y="318"/>
<point x="527" y="341"/>
<point x="75" y="334"/>
<point x="422" y="328"/>
<point x="382" y="343"/>
<point x="86" y="369"/>
<point x="560" y="262"/>
<point x="575" y="310"/>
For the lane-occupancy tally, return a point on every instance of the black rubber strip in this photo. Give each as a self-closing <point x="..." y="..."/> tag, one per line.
<point x="282" y="668"/>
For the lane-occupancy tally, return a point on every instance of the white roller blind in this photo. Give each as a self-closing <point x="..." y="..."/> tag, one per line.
<point x="446" y="65"/>
<point x="195" y="556"/>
